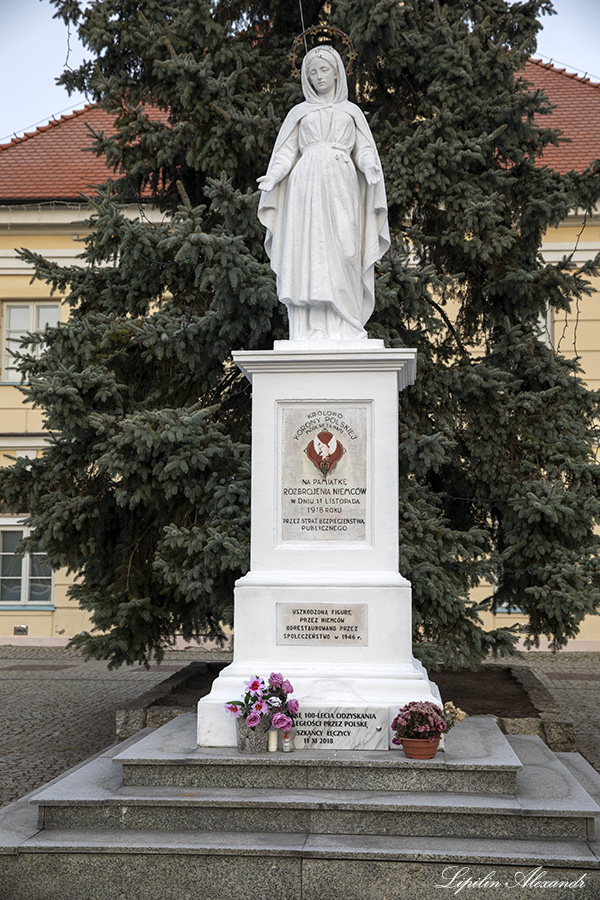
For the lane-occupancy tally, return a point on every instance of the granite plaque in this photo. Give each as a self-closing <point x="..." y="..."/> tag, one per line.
<point x="332" y="624"/>
<point x="342" y="728"/>
<point x="324" y="490"/>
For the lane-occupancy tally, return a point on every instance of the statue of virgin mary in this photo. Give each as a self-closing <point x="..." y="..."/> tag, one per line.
<point x="324" y="207"/>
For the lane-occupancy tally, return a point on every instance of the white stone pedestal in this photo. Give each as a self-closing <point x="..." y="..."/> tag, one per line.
<point x="323" y="602"/>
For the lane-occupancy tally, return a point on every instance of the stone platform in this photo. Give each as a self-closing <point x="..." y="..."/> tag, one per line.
<point x="158" y="818"/>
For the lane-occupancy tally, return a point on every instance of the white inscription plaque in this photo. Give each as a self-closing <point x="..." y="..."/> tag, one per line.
<point x="323" y="464"/>
<point x="342" y="728"/>
<point x="332" y="624"/>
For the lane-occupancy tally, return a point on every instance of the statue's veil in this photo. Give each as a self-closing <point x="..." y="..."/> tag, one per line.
<point x="324" y="51"/>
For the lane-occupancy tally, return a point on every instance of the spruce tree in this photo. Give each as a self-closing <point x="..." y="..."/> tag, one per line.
<point x="144" y="491"/>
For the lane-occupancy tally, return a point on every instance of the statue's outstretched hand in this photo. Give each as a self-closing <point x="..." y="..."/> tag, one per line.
<point x="373" y="174"/>
<point x="266" y="182"/>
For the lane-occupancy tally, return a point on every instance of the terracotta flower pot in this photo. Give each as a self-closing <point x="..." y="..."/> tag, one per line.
<point x="420" y="748"/>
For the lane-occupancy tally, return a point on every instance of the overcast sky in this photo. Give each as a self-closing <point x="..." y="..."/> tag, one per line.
<point x="34" y="49"/>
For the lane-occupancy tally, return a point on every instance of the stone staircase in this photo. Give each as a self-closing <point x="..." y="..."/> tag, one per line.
<point x="157" y="818"/>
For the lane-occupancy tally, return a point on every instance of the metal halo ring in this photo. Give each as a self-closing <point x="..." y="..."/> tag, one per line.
<point x="322" y="29"/>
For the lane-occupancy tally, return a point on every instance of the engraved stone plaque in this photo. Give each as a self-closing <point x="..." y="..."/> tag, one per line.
<point x="342" y="728"/>
<point x="324" y="490"/>
<point x="332" y="624"/>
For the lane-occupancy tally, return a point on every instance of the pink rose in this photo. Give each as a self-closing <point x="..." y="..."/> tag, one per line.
<point x="281" y="721"/>
<point x="253" y="719"/>
<point x="287" y="688"/>
<point x="293" y="706"/>
<point x="275" y="679"/>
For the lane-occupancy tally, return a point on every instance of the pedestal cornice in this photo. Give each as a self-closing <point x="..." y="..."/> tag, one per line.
<point x="298" y="357"/>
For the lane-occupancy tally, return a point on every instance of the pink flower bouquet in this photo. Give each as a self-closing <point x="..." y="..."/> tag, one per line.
<point x="425" y="720"/>
<point x="269" y="699"/>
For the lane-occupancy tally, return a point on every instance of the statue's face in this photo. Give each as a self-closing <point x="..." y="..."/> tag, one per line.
<point x="321" y="75"/>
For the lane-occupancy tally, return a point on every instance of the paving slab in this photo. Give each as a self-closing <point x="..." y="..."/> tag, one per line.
<point x="59" y="709"/>
<point x="575" y="697"/>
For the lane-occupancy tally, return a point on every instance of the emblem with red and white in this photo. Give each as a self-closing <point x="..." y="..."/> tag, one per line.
<point x="325" y="451"/>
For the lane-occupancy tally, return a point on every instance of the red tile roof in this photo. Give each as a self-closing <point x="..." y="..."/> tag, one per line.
<point x="577" y="115"/>
<point x="54" y="162"/>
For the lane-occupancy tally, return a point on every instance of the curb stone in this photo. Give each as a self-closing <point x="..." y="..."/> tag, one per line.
<point x="138" y="713"/>
<point x="554" y="727"/>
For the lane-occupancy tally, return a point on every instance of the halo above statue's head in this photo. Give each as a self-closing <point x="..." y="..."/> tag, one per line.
<point x="327" y="53"/>
<point x="313" y="31"/>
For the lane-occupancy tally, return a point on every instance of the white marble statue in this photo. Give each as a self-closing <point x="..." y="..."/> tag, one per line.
<point x="324" y="207"/>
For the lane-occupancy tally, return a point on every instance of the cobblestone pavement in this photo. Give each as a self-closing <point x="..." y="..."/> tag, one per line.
<point x="58" y="709"/>
<point x="573" y="679"/>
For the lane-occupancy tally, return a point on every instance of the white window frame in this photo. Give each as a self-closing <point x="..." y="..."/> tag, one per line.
<point x="15" y="523"/>
<point x="9" y="374"/>
<point x="546" y="323"/>
<point x="504" y="610"/>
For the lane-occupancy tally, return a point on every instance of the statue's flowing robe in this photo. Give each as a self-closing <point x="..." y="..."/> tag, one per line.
<point x="326" y="227"/>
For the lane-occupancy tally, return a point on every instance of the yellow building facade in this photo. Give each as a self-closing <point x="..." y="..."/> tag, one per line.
<point x="33" y="601"/>
<point x="576" y="335"/>
<point x="41" y="209"/>
<point x="42" y="179"/>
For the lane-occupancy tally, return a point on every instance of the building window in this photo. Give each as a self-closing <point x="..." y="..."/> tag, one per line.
<point x="19" y="320"/>
<point x="24" y="580"/>
<point x="511" y="606"/>
<point x="510" y="609"/>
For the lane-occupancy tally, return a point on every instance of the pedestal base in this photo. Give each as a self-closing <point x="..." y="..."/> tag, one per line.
<point x="323" y="602"/>
<point x="351" y="693"/>
<point x="299" y="625"/>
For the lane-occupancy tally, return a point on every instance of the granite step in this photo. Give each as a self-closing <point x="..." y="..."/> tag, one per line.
<point x="147" y="865"/>
<point x="585" y="774"/>
<point x="377" y="847"/>
<point x="141" y="864"/>
<point x="477" y="759"/>
<point x="550" y="804"/>
<point x="347" y="813"/>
